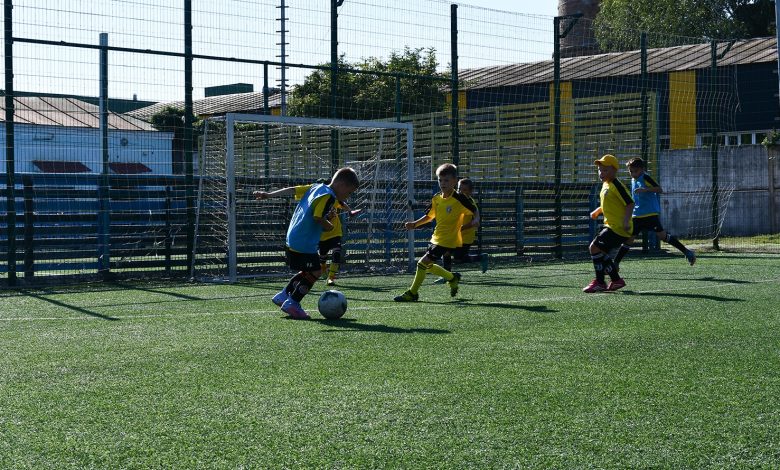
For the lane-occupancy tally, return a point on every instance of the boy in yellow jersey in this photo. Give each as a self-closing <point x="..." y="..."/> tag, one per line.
<point x="468" y="233"/>
<point x="330" y="242"/>
<point x="617" y="207"/>
<point x="448" y="209"/>
<point x="311" y="217"/>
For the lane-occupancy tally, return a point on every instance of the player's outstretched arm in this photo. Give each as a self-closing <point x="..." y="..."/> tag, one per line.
<point x="597" y="212"/>
<point x="417" y="223"/>
<point x="261" y="195"/>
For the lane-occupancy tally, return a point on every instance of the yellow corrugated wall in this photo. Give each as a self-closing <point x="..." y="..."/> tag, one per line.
<point x="461" y="100"/>
<point x="682" y="109"/>
<point x="567" y="114"/>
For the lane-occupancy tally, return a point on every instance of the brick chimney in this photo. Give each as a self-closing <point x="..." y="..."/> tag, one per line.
<point x="580" y="40"/>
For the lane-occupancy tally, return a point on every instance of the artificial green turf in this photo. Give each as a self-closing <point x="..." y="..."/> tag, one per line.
<point x="679" y="369"/>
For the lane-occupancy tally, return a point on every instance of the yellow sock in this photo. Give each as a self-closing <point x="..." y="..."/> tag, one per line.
<point x="334" y="268"/>
<point x="441" y="272"/>
<point x="323" y="268"/>
<point x="419" y="277"/>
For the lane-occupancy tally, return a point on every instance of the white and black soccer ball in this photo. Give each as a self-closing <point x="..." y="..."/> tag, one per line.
<point x="332" y="304"/>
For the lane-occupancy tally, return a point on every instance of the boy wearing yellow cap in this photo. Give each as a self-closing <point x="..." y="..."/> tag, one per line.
<point x="617" y="207"/>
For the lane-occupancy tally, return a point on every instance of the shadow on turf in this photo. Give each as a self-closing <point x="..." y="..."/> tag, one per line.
<point x="508" y="306"/>
<point x="71" y="307"/>
<point x="352" y="324"/>
<point x="687" y="296"/>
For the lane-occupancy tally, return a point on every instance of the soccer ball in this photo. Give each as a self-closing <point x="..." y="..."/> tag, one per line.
<point x="332" y="304"/>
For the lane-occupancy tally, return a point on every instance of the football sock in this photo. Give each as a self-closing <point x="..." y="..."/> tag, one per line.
<point x="334" y="268"/>
<point x="598" y="266"/>
<point x="419" y="277"/>
<point x="323" y="268"/>
<point x="441" y="272"/>
<point x="609" y="268"/>
<point x="446" y="262"/>
<point x="672" y="240"/>
<point x="623" y="251"/>
<point x="300" y="285"/>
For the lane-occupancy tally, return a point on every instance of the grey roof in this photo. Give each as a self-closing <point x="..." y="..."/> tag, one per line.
<point x="68" y="112"/>
<point x="670" y="59"/>
<point x="216" y="105"/>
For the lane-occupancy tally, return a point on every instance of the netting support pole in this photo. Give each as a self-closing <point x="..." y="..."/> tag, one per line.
<point x="334" y="73"/>
<point x="715" y="122"/>
<point x="714" y="147"/>
<point x="10" y="168"/>
<point x="455" y="89"/>
<point x="230" y="181"/>
<point x="104" y="203"/>
<point x="189" y="179"/>
<point x="644" y="98"/>
<point x="266" y="137"/>
<point x="558" y="249"/>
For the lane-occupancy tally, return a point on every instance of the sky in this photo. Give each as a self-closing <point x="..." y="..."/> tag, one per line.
<point x="249" y="29"/>
<point x="531" y="7"/>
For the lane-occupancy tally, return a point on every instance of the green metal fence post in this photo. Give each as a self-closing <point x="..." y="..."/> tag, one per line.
<point x="455" y="89"/>
<point x="714" y="136"/>
<point x="104" y="197"/>
<point x="644" y="99"/>
<point x="10" y="166"/>
<point x="29" y="228"/>
<point x="557" y="123"/>
<point x="266" y="137"/>
<point x="334" y="73"/>
<point x="189" y="179"/>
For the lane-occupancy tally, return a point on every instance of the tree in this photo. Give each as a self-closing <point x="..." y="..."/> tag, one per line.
<point x="668" y="22"/>
<point x="371" y="96"/>
<point x="171" y="119"/>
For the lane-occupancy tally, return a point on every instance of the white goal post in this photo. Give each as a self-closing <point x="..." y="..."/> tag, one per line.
<point x="236" y="236"/>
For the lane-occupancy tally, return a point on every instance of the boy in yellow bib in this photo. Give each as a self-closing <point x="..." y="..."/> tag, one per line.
<point x="448" y="209"/>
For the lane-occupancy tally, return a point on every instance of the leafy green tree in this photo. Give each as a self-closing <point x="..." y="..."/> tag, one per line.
<point x="673" y="22"/>
<point x="371" y="96"/>
<point x="171" y="119"/>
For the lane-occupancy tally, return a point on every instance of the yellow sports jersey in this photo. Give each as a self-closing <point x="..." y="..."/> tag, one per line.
<point x="469" y="235"/>
<point x="614" y="199"/>
<point x="336" y="221"/>
<point x="318" y="205"/>
<point x="449" y="213"/>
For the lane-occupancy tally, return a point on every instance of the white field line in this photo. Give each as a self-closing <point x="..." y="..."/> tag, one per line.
<point x="410" y="305"/>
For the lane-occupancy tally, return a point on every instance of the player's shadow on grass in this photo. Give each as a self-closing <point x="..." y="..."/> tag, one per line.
<point x="498" y="283"/>
<point x="354" y="325"/>
<point x="716" y="298"/>
<point x="724" y="281"/>
<point x="352" y="287"/>
<point x="71" y="307"/>
<point x="508" y="306"/>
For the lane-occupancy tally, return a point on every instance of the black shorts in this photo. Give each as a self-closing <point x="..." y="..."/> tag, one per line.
<point x="302" y="261"/>
<point x="435" y="252"/>
<point x="461" y="253"/>
<point x="650" y="223"/>
<point x="329" y="244"/>
<point x="607" y="240"/>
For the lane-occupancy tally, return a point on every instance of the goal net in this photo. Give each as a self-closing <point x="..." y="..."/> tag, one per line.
<point x="237" y="236"/>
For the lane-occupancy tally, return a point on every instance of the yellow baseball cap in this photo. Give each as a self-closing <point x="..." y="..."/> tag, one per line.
<point x="608" y="160"/>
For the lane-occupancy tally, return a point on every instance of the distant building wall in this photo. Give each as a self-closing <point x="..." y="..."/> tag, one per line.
<point x="77" y="144"/>
<point x="686" y="177"/>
